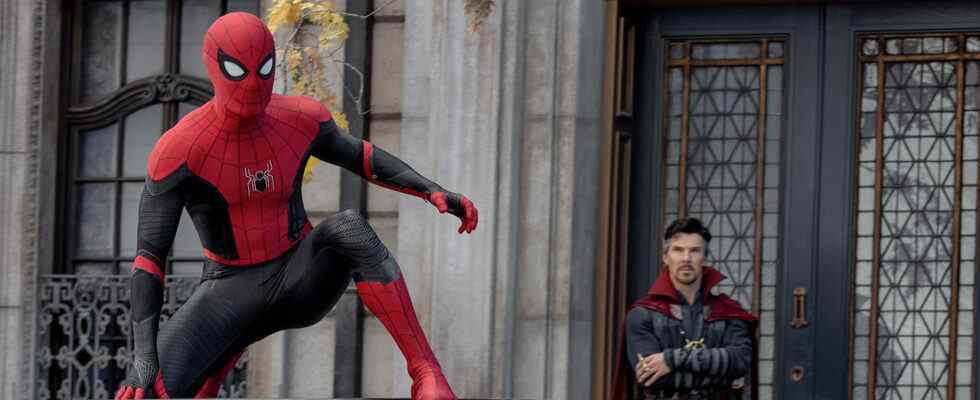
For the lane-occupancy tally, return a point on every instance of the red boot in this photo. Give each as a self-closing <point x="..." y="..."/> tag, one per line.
<point x="393" y="307"/>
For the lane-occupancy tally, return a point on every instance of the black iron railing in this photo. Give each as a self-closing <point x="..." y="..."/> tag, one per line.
<point x="84" y="335"/>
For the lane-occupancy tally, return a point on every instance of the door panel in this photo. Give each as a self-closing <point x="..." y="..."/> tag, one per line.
<point x="859" y="194"/>
<point x="910" y="75"/>
<point x="916" y="216"/>
<point x="721" y="139"/>
<point x="722" y="109"/>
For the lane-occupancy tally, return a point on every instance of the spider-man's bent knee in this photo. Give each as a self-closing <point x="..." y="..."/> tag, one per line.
<point x="348" y="234"/>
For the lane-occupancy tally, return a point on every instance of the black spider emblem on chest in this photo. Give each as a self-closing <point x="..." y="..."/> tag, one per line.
<point x="260" y="180"/>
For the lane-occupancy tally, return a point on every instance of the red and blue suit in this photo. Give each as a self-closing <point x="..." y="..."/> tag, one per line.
<point x="236" y="165"/>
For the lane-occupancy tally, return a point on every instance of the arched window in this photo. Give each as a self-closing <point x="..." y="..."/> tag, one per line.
<point x="133" y="68"/>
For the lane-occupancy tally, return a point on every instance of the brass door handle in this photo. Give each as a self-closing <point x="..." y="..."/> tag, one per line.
<point x="799" y="308"/>
<point x="796" y="374"/>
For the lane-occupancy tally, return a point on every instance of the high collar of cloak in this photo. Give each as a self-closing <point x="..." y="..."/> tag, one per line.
<point x="663" y="287"/>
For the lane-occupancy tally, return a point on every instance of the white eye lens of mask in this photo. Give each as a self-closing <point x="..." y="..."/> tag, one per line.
<point x="233" y="70"/>
<point x="266" y="68"/>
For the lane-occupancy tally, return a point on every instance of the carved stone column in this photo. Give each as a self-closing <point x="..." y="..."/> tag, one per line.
<point x="24" y="44"/>
<point x="508" y="116"/>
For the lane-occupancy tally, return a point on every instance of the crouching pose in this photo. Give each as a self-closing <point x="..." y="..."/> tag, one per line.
<point x="236" y="165"/>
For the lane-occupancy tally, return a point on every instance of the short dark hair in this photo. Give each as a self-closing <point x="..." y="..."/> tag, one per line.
<point x="687" y="225"/>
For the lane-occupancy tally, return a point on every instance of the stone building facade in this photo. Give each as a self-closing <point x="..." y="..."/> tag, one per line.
<point x="509" y="116"/>
<point x="831" y="147"/>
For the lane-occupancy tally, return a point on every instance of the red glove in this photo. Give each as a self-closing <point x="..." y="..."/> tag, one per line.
<point x="131" y="390"/>
<point x="458" y="205"/>
<point x="126" y="392"/>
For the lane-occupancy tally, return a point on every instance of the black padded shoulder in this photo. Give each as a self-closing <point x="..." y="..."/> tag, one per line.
<point x="337" y="147"/>
<point x="156" y="187"/>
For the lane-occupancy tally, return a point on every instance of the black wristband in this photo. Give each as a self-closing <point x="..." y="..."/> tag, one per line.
<point x="145" y="362"/>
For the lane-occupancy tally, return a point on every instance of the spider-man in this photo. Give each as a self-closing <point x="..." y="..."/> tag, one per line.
<point x="236" y="165"/>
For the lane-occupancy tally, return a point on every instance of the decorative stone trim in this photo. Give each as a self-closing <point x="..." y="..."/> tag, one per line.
<point x="139" y="94"/>
<point x="30" y="234"/>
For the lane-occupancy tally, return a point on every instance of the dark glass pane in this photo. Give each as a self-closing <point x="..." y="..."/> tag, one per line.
<point x="95" y="268"/>
<point x="973" y="44"/>
<point x="715" y="126"/>
<point x="677" y="50"/>
<point x="144" y="50"/>
<point x="96" y="152"/>
<point x="893" y="46"/>
<point x="185" y="108"/>
<point x="870" y="47"/>
<point x="196" y="17"/>
<point x="970" y="142"/>
<point x="187" y="243"/>
<point x="716" y="51"/>
<point x="916" y="214"/>
<point x="912" y="46"/>
<point x="129" y="218"/>
<point x="249" y="6"/>
<point x="776" y="50"/>
<point x="951" y="45"/>
<point x="968" y="238"/>
<point x="143" y="129"/>
<point x="721" y="172"/>
<point x="124" y="268"/>
<point x="186" y="268"/>
<point x="94" y="219"/>
<point x="100" y="52"/>
<point x="676" y="80"/>
<point x="772" y="153"/>
<point x="774" y="94"/>
<point x="926" y="45"/>
<point x="933" y="45"/>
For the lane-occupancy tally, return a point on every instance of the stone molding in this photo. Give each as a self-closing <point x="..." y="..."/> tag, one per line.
<point x="139" y="94"/>
<point x="29" y="261"/>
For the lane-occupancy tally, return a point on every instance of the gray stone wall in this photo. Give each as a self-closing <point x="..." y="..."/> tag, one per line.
<point x="22" y="34"/>
<point x="508" y="116"/>
<point x="387" y="65"/>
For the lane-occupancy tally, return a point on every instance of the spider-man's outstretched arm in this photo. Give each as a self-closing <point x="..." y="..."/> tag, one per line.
<point x="379" y="167"/>
<point x="385" y="292"/>
<point x="159" y="215"/>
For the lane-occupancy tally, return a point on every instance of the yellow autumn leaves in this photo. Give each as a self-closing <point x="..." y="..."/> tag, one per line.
<point x="304" y="64"/>
<point x="321" y="13"/>
<point x="477" y="11"/>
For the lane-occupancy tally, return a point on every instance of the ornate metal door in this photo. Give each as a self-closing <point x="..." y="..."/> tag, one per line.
<point x="834" y="150"/>
<point x="720" y="137"/>
<point x="135" y="68"/>
<point x="912" y="74"/>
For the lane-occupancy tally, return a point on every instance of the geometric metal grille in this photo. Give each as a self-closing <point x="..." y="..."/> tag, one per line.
<point x="916" y="200"/>
<point x="723" y="110"/>
<point x="87" y="319"/>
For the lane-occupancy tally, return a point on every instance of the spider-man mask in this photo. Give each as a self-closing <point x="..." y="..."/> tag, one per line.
<point x="240" y="57"/>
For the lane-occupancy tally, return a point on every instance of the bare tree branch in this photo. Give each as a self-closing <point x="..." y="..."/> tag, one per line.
<point x="291" y="45"/>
